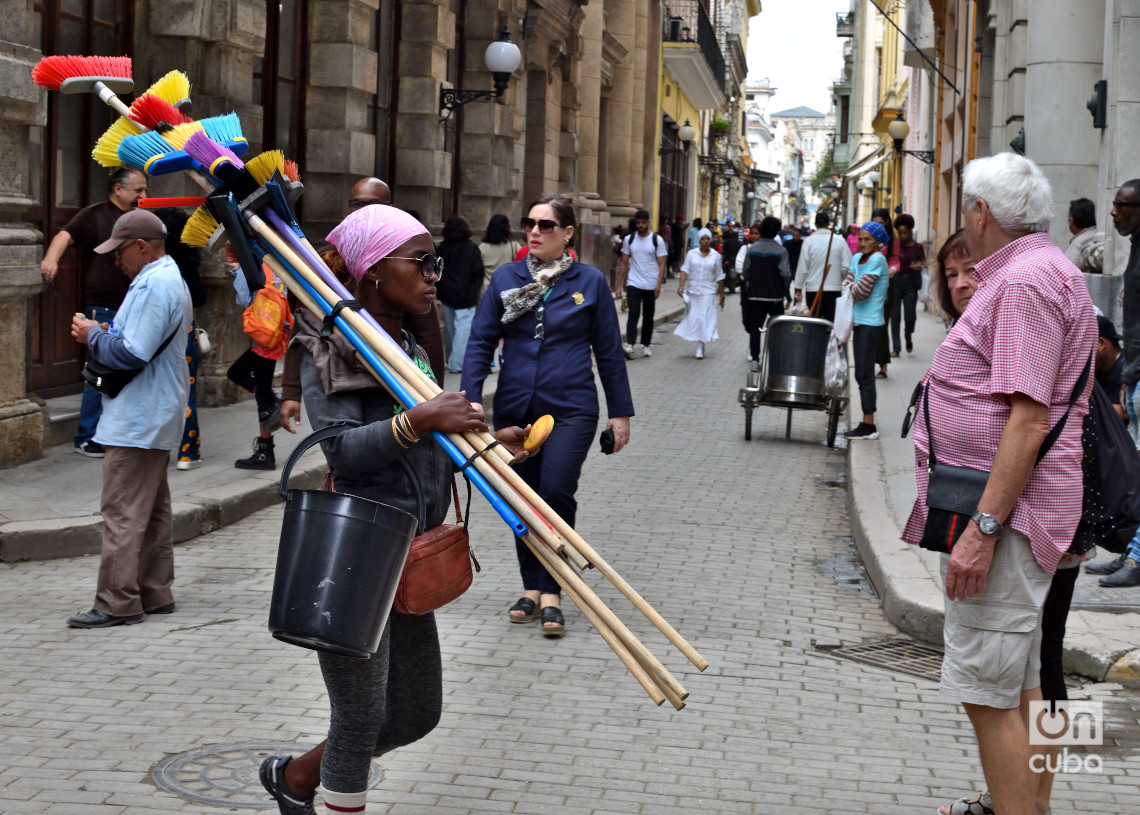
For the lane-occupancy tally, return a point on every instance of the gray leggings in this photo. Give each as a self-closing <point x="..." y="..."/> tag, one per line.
<point x="381" y="703"/>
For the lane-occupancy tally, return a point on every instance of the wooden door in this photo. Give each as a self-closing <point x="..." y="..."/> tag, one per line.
<point x="70" y="178"/>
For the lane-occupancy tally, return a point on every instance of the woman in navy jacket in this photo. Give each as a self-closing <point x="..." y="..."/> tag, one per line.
<point x="550" y="311"/>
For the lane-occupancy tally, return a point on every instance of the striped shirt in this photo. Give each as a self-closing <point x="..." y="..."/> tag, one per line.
<point x="1029" y="329"/>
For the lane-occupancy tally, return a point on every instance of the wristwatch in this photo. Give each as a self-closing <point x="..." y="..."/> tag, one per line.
<point x="986" y="522"/>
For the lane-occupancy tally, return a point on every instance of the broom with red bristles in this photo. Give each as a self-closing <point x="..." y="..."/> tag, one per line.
<point x="106" y="76"/>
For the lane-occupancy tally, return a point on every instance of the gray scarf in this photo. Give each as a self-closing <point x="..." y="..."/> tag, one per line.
<point x="517" y="302"/>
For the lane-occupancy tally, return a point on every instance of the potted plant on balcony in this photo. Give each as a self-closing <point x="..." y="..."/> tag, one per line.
<point x="718" y="127"/>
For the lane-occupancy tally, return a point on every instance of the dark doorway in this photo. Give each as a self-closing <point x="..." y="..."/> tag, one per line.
<point x="70" y="178"/>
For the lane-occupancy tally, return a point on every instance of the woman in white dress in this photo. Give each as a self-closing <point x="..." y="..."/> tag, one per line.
<point x="702" y="284"/>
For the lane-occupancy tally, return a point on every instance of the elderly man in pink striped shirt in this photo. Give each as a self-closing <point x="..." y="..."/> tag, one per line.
<point x="1003" y="377"/>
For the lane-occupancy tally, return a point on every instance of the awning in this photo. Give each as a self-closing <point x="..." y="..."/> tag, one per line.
<point x="868" y="163"/>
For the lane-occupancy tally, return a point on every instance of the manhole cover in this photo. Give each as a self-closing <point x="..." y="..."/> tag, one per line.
<point x="225" y="577"/>
<point x="899" y="656"/>
<point x="226" y="774"/>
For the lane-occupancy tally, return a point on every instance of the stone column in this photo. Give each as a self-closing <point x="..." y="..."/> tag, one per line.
<point x="1065" y="48"/>
<point x="340" y="147"/>
<point x="22" y="106"/>
<point x="590" y="96"/>
<point x="489" y="180"/>
<point x="215" y="44"/>
<point x="643" y="85"/>
<point x="423" y="165"/>
<point x="621" y="21"/>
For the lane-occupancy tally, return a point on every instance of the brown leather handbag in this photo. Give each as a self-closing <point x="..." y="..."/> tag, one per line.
<point x="438" y="568"/>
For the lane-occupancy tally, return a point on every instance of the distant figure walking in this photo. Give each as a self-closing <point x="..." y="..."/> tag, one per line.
<point x="702" y="286"/>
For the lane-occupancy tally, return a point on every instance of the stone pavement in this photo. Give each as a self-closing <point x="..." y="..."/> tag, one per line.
<point x="1103" y="634"/>
<point x="744" y="546"/>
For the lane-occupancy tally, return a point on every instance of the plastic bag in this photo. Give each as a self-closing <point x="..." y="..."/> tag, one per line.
<point x="844" y="316"/>
<point x="835" y="368"/>
<point x="924" y="295"/>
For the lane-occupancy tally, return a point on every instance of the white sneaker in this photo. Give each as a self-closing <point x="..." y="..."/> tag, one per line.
<point x="700" y="353"/>
<point x="189" y="463"/>
<point x="645" y="352"/>
<point x="628" y="351"/>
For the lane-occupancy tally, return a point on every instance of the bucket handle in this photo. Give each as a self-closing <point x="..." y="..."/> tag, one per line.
<point x="335" y="429"/>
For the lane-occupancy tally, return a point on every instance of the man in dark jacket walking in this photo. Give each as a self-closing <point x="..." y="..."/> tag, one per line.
<point x="764" y="283"/>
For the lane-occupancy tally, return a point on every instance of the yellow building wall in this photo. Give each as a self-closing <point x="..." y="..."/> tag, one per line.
<point x="675" y="104"/>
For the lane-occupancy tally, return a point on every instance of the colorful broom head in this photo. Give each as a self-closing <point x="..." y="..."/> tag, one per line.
<point x="263" y="165"/>
<point x="213" y="156"/>
<point x="174" y="87"/>
<point x="292" y="171"/>
<point x="75" y="74"/>
<point x="159" y="154"/>
<point x="106" y="150"/>
<point x="200" y="227"/>
<point x="151" y="110"/>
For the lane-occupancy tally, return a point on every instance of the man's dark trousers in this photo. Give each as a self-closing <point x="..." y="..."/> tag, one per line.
<point x="636" y="299"/>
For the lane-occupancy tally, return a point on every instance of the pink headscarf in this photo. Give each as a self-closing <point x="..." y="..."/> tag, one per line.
<point x="372" y="233"/>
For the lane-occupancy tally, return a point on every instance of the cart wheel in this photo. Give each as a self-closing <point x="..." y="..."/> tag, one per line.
<point x="833" y="422"/>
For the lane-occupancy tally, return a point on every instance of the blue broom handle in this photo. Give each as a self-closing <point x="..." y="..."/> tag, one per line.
<point x="497" y="503"/>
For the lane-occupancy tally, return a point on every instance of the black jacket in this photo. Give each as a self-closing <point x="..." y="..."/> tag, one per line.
<point x="462" y="274"/>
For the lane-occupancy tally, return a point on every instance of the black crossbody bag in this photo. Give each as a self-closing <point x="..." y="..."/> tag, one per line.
<point x="111" y="381"/>
<point x="953" y="492"/>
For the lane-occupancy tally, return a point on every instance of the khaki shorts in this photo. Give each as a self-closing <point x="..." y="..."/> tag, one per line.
<point x="993" y="641"/>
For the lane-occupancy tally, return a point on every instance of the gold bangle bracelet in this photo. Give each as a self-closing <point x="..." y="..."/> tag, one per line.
<point x="396" y="435"/>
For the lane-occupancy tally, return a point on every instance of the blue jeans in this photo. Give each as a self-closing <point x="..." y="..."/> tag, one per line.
<point x="1131" y="396"/>
<point x="92" y="406"/>
<point x="456" y="330"/>
<point x="552" y="473"/>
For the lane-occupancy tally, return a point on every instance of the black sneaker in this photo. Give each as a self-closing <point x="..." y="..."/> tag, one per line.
<point x="272" y="774"/>
<point x="863" y="431"/>
<point x="91" y="449"/>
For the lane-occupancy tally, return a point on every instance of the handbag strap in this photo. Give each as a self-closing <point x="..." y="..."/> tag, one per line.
<point x="1046" y="444"/>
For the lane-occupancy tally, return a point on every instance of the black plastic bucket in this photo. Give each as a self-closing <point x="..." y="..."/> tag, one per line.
<point x="338" y="565"/>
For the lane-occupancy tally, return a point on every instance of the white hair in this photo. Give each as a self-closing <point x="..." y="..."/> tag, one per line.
<point x="1014" y="188"/>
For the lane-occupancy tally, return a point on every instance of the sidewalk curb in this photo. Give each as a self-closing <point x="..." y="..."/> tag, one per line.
<point x="194" y="515"/>
<point x="909" y="597"/>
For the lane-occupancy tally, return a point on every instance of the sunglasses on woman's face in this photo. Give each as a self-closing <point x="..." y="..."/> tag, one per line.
<point x="544" y="226"/>
<point x="430" y="265"/>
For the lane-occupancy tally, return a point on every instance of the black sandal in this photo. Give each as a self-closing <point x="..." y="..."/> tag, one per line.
<point x="529" y="610"/>
<point x="552" y="614"/>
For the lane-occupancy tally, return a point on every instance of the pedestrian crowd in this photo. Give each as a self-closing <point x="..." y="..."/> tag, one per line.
<point x="998" y="417"/>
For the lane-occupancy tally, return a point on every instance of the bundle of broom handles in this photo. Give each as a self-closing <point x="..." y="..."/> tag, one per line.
<point x="552" y="540"/>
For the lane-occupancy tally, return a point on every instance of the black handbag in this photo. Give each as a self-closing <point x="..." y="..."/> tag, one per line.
<point x="111" y="381"/>
<point x="953" y="492"/>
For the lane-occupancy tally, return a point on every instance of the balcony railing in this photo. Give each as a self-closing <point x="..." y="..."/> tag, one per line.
<point x="845" y="24"/>
<point x="687" y="21"/>
<point x="736" y="55"/>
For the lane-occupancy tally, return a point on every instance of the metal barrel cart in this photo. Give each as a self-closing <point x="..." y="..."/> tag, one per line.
<point x="793" y="353"/>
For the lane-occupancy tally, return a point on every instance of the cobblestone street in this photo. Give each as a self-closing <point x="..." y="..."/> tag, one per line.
<point x="743" y="546"/>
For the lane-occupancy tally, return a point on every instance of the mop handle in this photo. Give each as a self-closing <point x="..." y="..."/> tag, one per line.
<point x="497" y="503"/>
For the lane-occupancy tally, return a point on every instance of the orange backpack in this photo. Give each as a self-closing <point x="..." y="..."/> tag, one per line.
<point x="268" y="314"/>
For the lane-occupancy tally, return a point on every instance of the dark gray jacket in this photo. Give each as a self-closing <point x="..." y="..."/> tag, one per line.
<point x="1132" y="314"/>
<point x="363" y="459"/>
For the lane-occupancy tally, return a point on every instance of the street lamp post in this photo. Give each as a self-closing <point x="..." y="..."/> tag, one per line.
<point x="502" y="58"/>
<point x="899" y="130"/>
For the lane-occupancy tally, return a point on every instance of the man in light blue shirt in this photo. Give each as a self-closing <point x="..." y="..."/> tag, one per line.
<point x="139" y="426"/>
